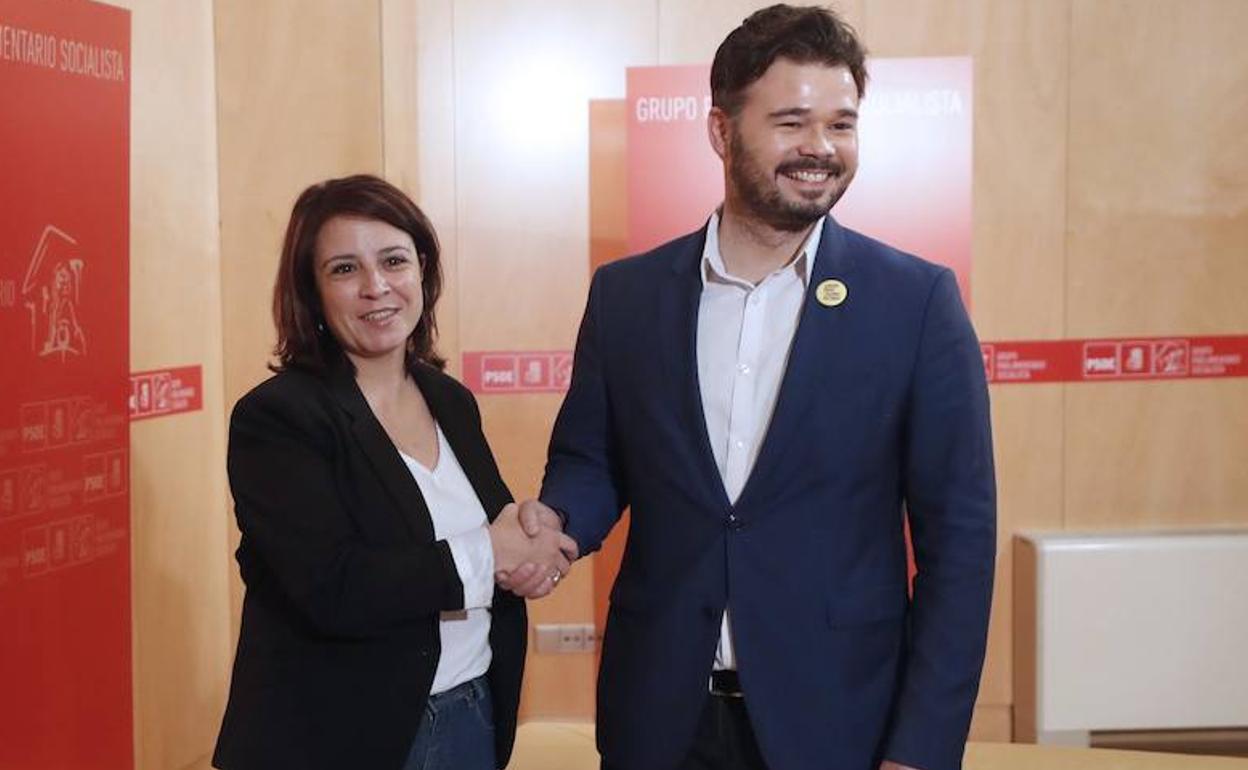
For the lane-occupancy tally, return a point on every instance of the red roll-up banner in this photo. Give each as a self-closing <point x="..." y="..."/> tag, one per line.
<point x="65" y="670"/>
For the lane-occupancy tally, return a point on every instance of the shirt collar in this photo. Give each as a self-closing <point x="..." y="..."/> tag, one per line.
<point x="712" y="263"/>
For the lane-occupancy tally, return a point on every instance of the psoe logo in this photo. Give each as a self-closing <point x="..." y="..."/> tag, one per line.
<point x="1101" y="359"/>
<point x="498" y="372"/>
<point x="51" y="292"/>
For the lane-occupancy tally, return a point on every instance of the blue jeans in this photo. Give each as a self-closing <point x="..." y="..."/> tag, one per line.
<point x="456" y="731"/>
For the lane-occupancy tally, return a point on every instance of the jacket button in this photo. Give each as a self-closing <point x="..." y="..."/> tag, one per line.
<point x="733" y="523"/>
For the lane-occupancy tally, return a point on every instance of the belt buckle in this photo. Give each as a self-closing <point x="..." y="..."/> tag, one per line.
<point x="726" y="684"/>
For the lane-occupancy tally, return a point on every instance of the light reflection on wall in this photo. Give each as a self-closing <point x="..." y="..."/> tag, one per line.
<point x="542" y="102"/>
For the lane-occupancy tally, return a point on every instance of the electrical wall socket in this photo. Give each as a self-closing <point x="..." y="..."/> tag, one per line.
<point x="566" y="637"/>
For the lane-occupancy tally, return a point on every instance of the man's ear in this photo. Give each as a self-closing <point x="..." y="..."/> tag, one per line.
<point x="719" y="130"/>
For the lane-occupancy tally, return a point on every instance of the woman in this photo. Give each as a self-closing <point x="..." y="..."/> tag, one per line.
<point x="373" y="517"/>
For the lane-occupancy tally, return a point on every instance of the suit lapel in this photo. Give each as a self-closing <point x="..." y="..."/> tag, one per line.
<point x="382" y="455"/>
<point x="679" y="312"/>
<point x="820" y="332"/>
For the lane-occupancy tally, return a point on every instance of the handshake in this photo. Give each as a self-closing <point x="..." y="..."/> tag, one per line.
<point x="531" y="553"/>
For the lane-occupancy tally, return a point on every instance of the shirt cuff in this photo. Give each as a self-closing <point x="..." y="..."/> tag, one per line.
<point x="474" y="561"/>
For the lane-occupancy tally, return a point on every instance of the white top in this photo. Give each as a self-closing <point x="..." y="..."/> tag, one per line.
<point x="460" y="520"/>
<point x="744" y="335"/>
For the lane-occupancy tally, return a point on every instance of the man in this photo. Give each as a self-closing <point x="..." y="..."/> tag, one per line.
<point x="768" y="394"/>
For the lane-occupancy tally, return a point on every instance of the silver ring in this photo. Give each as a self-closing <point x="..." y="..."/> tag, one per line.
<point x="555" y="578"/>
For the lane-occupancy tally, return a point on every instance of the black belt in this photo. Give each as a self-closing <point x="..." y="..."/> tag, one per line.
<point x="726" y="684"/>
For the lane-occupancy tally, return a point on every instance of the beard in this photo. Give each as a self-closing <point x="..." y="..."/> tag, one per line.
<point x="762" y="197"/>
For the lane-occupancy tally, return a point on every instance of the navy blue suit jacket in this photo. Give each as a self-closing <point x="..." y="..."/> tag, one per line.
<point x="883" y="407"/>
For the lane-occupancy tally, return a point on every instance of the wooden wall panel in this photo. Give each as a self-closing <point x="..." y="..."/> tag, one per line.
<point x="1158" y="168"/>
<point x="298" y="100"/>
<point x="182" y="648"/>
<point x="415" y="39"/>
<point x="1157" y="455"/>
<point x="418" y="121"/>
<point x="991" y="724"/>
<point x="1158" y="213"/>
<point x="524" y="75"/>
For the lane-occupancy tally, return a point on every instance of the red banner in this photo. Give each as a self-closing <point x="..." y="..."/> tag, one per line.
<point x="166" y="391"/>
<point x="64" y="340"/>
<point x="675" y="179"/>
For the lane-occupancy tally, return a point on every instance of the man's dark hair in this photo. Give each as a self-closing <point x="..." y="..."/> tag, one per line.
<point x="804" y="35"/>
<point x="303" y="341"/>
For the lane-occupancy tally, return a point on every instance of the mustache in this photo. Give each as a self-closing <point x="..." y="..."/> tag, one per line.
<point x="830" y="165"/>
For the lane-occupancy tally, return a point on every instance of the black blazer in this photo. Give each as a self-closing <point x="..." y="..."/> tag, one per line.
<point x="345" y="581"/>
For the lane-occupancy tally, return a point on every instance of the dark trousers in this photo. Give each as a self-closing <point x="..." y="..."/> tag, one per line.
<point x="724" y="739"/>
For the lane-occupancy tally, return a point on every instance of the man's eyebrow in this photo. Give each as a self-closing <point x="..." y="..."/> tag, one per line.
<point x="790" y="112"/>
<point x="801" y="112"/>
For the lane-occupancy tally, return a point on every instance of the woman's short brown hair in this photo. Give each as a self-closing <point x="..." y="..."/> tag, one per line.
<point x="303" y="340"/>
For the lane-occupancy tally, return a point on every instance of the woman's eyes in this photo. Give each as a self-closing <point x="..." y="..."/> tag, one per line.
<point x="389" y="261"/>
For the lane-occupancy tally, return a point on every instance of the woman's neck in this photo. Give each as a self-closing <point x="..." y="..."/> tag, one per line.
<point x="381" y="380"/>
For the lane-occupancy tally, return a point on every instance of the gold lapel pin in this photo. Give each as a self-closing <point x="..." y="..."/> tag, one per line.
<point x="831" y="293"/>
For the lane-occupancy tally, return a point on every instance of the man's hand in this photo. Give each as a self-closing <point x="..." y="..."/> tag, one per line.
<point x="890" y="765"/>
<point x="535" y="579"/>
<point x="535" y="515"/>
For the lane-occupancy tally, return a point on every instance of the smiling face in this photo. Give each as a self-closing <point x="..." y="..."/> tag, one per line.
<point x="368" y="278"/>
<point x="791" y="151"/>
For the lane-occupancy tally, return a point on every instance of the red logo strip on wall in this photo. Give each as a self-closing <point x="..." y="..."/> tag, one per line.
<point x="1092" y="360"/>
<point x="166" y="391"/>
<point x="1110" y="360"/>
<point x="547" y="371"/>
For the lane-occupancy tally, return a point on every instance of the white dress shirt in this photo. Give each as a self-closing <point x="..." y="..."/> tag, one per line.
<point x="744" y="334"/>
<point x="460" y="520"/>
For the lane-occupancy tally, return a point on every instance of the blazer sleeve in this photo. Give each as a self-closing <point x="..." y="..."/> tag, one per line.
<point x="950" y="493"/>
<point x="583" y="479"/>
<point x="296" y="526"/>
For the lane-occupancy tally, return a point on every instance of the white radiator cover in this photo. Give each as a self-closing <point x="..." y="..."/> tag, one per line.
<point x="1130" y="631"/>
